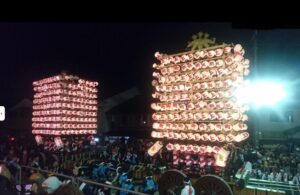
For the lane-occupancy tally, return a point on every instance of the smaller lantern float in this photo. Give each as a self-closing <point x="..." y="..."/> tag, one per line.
<point x="64" y="112"/>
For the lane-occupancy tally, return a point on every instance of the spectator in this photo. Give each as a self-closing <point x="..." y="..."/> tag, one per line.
<point x="37" y="179"/>
<point x="295" y="180"/>
<point x="68" y="189"/>
<point x="128" y="157"/>
<point x="149" y="184"/>
<point x="24" y="159"/>
<point x="187" y="188"/>
<point x="265" y="176"/>
<point x="5" y="186"/>
<point x="279" y="176"/>
<point x="51" y="184"/>
<point x="272" y="176"/>
<point x="134" y="159"/>
<point x="128" y="185"/>
<point x="36" y="162"/>
<point x="123" y="177"/>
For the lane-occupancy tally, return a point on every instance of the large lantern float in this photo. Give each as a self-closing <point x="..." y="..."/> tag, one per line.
<point x="64" y="106"/>
<point x="196" y="114"/>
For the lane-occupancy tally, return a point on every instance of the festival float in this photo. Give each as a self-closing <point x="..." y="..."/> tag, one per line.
<point x="196" y="114"/>
<point x="64" y="112"/>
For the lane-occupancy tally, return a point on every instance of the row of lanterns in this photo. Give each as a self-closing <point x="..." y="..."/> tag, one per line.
<point x="200" y="127"/>
<point x="63" y="119"/>
<point x="200" y="116"/>
<point x="58" y="98"/>
<point x="196" y="96"/>
<point x="203" y="153"/>
<point x="213" y="74"/>
<point x="63" y="132"/>
<point x="65" y="77"/>
<point x="47" y="80"/>
<point x="220" y="84"/>
<point x="77" y="93"/>
<point x="237" y="63"/>
<point x="175" y="59"/>
<point x="201" y="137"/>
<point x="202" y="104"/>
<point x="64" y="86"/>
<point x="193" y="148"/>
<point x="64" y="125"/>
<point x="64" y="105"/>
<point x="64" y="112"/>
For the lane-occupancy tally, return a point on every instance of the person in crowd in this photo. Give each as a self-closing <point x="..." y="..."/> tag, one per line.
<point x="134" y="159"/>
<point x="37" y="179"/>
<point x="6" y="186"/>
<point x="115" y="180"/>
<point x="128" y="157"/>
<point x="5" y="181"/>
<point x="290" y="177"/>
<point x="295" y="180"/>
<point x="265" y="176"/>
<point x="51" y="184"/>
<point x="67" y="189"/>
<point x="187" y="187"/>
<point x="24" y="158"/>
<point x="285" y="177"/>
<point x="259" y="174"/>
<point x="127" y="185"/>
<point x="36" y="162"/>
<point x="279" y="176"/>
<point x="101" y="172"/>
<point x="149" y="185"/>
<point x="272" y="175"/>
<point x="123" y="177"/>
<point x="115" y="157"/>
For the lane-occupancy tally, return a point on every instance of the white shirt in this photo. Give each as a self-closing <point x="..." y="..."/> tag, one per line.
<point x="264" y="176"/>
<point x="188" y="190"/>
<point x="248" y="166"/>
<point x="271" y="177"/>
<point x="295" y="180"/>
<point x="278" y="177"/>
<point x="259" y="173"/>
<point x="285" y="177"/>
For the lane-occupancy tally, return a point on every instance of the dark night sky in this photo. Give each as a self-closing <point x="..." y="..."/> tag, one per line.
<point x="120" y="55"/>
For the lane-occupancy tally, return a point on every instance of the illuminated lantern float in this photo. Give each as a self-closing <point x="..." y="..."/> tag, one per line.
<point x="64" y="111"/>
<point x="195" y="112"/>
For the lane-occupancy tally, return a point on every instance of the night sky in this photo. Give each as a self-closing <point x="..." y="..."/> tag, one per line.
<point x="120" y="55"/>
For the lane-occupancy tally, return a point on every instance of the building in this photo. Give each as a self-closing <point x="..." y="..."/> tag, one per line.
<point x="276" y="124"/>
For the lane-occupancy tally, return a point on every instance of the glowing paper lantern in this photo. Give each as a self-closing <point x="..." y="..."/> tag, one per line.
<point x="38" y="139"/>
<point x="221" y="157"/>
<point x="58" y="142"/>
<point x="155" y="148"/>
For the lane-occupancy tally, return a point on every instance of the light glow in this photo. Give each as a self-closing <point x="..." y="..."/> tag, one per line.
<point x="261" y="93"/>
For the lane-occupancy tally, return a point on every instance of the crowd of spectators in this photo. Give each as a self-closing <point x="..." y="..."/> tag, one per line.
<point x="113" y="162"/>
<point x="107" y="162"/>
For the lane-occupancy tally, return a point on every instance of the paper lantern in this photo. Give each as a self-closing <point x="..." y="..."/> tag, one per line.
<point x="58" y="142"/>
<point x="154" y="149"/>
<point x="221" y="157"/>
<point x="38" y="139"/>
